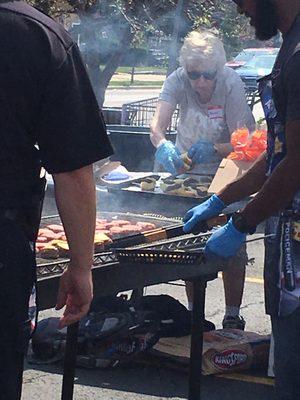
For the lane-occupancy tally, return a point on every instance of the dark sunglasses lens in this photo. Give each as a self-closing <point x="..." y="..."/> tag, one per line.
<point x="209" y="75"/>
<point x="194" y="75"/>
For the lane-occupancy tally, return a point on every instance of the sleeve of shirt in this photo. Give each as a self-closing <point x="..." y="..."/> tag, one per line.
<point x="171" y="90"/>
<point x="292" y="83"/>
<point x="237" y="111"/>
<point x="71" y="132"/>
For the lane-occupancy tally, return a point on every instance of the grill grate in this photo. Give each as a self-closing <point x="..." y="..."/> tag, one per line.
<point x="186" y="242"/>
<point x="150" y="256"/>
<point x="191" y="247"/>
<point x="57" y="267"/>
<point x="186" y="250"/>
<point x="47" y="268"/>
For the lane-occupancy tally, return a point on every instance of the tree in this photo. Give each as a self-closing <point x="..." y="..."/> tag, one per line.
<point x="221" y="16"/>
<point x="109" y="28"/>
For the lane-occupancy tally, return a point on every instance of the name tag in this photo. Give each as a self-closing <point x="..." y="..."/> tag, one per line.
<point x="215" y="112"/>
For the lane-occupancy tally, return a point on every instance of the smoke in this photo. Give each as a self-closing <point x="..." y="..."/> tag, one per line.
<point x="99" y="35"/>
<point x="117" y="200"/>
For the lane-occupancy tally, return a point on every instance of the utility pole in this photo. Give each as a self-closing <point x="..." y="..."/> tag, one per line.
<point x="177" y="30"/>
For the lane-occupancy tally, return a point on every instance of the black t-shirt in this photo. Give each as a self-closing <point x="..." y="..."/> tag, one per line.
<point x="286" y="96"/>
<point x="286" y="76"/>
<point x="49" y="115"/>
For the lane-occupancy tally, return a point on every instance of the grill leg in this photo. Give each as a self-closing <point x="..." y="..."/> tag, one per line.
<point x="137" y="294"/>
<point x="195" y="373"/>
<point x="70" y="362"/>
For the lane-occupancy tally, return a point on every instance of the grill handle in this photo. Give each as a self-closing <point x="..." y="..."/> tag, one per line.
<point x="205" y="226"/>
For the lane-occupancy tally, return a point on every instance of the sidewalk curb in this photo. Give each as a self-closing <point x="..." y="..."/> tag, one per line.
<point x="133" y="87"/>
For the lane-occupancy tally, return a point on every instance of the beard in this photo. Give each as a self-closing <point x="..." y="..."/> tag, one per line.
<point x="266" y="21"/>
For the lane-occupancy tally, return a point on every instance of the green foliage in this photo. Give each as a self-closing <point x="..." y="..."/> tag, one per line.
<point x="221" y="16"/>
<point x="109" y="29"/>
<point x="55" y="8"/>
<point x="149" y="16"/>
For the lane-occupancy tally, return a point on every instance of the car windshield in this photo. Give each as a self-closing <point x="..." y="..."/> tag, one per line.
<point x="247" y="55"/>
<point x="265" y="62"/>
<point x="244" y="56"/>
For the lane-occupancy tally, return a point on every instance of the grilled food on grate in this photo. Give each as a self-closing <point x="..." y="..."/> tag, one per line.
<point x="52" y="242"/>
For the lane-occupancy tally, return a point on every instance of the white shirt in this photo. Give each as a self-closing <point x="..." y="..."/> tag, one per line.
<point x="215" y="121"/>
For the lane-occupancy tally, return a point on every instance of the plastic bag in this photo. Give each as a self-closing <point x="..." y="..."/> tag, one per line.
<point x="248" y="147"/>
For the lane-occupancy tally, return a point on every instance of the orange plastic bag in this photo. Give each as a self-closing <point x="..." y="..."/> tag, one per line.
<point x="239" y="137"/>
<point x="247" y="147"/>
<point x="259" y="139"/>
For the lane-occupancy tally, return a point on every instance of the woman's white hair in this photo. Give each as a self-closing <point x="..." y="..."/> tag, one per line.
<point x="202" y="50"/>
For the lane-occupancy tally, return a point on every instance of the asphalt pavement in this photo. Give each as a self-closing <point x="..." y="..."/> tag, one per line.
<point x="117" y="97"/>
<point x="141" y="382"/>
<point x="137" y="383"/>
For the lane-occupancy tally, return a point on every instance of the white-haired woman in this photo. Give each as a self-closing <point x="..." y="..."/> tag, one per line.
<point x="211" y="101"/>
<point x="212" y="104"/>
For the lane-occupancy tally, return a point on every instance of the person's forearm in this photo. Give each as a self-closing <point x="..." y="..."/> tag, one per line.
<point x="249" y="183"/>
<point x="161" y="121"/>
<point x="76" y="203"/>
<point x="157" y="135"/>
<point x="276" y="194"/>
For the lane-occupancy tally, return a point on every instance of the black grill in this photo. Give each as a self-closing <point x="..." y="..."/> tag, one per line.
<point x="187" y="249"/>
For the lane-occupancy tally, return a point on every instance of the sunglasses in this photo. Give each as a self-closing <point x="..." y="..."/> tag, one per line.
<point x="194" y="75"/>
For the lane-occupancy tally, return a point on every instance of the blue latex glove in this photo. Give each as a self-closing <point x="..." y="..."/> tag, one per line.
<point x="202" y="152"/>
<point x="225" y="241"/>
<point x="210" y="208"/>
<point x="168" y="155"/>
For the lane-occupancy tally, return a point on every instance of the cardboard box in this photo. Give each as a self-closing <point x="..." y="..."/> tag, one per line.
<point x="228" y="171"/>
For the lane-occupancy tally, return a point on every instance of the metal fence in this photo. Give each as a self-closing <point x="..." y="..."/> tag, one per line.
<point x="140" y="113"/>
<point x="252" y="96"/>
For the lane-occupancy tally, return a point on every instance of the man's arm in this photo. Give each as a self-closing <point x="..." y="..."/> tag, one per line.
<point x="277" y="192"/>
<point x="283" y="184"/>
<point x="246" y="185"/>
<point x="160" y="122"/>
<point x="76" y="202"/>
<point x="249" y="183"/>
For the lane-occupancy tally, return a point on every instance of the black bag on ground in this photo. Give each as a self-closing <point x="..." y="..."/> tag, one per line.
<point x="175" y="319"/>
<point x="114" y="333"/>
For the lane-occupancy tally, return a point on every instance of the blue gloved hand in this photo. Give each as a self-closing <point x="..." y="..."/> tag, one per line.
<point x="202" y="152"/>
<point x="225" y="242"/>
<point x="210" y="208"/>
<point x="168" y="155"/>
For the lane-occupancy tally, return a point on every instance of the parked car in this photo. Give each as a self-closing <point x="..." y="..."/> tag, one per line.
<point x="256" y="68"/>
<point x="247" y="54"/>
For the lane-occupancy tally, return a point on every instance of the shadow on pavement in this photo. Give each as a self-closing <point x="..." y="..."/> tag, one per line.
<point x="161" y="382"/>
